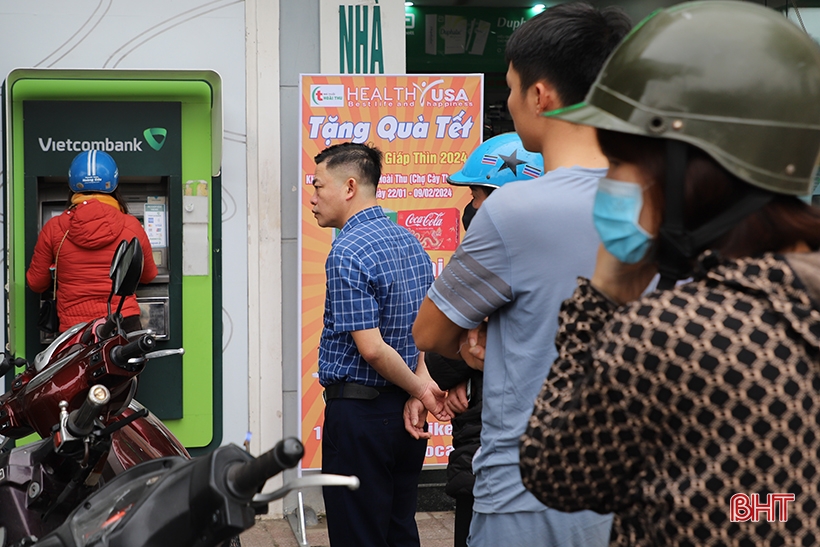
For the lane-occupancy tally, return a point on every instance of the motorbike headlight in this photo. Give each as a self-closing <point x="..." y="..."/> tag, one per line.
<point x="109" y="508"/>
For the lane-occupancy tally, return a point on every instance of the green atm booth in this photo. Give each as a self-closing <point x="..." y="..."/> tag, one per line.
<point x="164" y="129"/>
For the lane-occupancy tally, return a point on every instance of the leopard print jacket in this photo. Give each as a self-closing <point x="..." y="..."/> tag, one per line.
<point x="661" y="410"/>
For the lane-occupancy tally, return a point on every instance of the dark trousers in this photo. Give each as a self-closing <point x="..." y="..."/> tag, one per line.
<point x="366" y="438"/>
<point x="464" y="515"/>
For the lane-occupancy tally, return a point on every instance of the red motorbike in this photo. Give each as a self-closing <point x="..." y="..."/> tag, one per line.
<point x="78" y="396"/>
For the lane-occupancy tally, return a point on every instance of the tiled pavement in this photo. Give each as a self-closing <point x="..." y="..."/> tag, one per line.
<point x="435" y="530"/>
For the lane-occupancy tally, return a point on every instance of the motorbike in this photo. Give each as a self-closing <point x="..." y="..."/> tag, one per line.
<point x="78" y="396"/>
<point x="181" y="502"/>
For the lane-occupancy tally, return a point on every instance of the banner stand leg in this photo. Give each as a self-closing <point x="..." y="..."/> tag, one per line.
<point x="297" y="521"/>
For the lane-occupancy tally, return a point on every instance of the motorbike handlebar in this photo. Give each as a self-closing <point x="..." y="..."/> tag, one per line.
<point x="105" y="330"/>
<point x="136" y="348"/>
<point x="300" y="483"/>
<point x="81" y="421"/>
<point x="244" y="479"/>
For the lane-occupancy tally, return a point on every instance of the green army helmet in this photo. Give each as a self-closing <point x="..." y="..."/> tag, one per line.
<point x="737" y="80"/>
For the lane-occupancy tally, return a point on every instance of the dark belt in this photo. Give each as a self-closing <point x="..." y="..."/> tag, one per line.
<point x="357" y="391"/>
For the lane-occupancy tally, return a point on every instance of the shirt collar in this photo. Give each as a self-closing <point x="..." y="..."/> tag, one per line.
<point x="371" y="213"/>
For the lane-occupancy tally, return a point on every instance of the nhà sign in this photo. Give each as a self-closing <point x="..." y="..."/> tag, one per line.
<point x="352" y="36"/>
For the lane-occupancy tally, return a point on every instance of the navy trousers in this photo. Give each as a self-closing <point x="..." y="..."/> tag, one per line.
<point x="367" y="438"/>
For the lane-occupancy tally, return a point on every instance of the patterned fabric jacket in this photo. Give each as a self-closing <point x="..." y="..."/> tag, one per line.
<point x="663" y="409"/>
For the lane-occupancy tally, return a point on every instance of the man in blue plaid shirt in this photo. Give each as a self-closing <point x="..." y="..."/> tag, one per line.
<point x="377" y="276"/>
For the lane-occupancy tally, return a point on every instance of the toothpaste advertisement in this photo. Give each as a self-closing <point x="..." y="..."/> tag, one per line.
<point x="426" y="126"/>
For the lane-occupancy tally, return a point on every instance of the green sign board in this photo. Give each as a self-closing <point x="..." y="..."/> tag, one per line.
<point x="453" y="39"/>
<point x="143" y="137"/>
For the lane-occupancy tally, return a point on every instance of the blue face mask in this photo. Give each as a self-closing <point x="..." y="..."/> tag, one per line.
<point x="617" y="208"/>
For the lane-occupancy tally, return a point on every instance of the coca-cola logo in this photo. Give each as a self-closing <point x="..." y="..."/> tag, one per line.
<point x="433" y="219"/>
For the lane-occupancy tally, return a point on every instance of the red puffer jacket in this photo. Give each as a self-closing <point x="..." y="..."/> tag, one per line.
<point x="95" y="229"/>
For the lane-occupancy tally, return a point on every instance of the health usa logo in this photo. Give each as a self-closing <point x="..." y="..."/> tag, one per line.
<point x="327" y="95"/>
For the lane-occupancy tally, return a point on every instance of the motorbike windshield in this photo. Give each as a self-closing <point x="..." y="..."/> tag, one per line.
<point x="92" y="525"/>
<point x="42" y="358"/>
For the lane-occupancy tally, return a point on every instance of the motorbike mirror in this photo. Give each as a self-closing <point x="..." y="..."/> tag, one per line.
<point x="117" y="257"/>
<point x="128" y="270"/>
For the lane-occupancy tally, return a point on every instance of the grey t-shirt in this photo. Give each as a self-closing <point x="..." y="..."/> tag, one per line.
<point x="518" y="262"/>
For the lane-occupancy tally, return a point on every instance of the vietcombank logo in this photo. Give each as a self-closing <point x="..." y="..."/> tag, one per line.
<point x="155" y="137"/>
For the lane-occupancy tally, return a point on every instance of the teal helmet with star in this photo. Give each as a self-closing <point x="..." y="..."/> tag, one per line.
<point x="497" y="161"/>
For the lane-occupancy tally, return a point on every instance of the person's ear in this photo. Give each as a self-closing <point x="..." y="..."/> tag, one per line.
<point x="351" y="188"/>
<point x="545" y="97"/>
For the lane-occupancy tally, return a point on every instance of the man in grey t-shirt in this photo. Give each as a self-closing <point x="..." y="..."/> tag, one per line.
<point x="519" y="261"/>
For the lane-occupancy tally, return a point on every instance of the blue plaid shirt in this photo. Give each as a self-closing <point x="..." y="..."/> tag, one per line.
<point x="377" y="276"/>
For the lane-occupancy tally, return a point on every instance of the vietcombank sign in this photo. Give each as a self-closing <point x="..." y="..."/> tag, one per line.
<point x="143" y="137"/>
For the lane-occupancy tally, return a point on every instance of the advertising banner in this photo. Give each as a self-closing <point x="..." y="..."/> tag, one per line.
<point x="426" y="126"/>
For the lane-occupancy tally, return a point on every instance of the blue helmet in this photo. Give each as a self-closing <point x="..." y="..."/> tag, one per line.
<point x="93" y="171"/>
<point x="497" y="161"/>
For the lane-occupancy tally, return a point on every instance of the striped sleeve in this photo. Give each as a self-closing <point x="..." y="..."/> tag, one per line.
<point x="476" y="281"/>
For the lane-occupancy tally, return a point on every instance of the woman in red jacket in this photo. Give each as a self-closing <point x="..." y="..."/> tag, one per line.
<point x="81" y="243"/>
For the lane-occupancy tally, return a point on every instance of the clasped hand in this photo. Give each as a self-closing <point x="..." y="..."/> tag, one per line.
<point x="415" y="413"/>
<point x="473" y="346"/>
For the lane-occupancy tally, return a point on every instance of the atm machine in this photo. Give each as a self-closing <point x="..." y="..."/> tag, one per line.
<point x="147" y="198"/>
<point x="163" y="128"/>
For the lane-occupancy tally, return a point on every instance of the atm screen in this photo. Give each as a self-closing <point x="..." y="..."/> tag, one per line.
<point x="51" y="210"/>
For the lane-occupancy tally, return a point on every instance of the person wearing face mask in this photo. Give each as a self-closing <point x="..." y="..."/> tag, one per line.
<point x="496" y="162"/>
<point x="691" y="412"/>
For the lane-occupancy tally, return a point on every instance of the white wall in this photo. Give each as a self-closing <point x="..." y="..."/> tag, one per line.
<point x="165" y="34"/>
<point x="264" y="228"/>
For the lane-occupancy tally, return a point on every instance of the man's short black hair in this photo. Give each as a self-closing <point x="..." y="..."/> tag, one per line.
<point x="366" y="159"/>
<point x="566" y="45"/>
